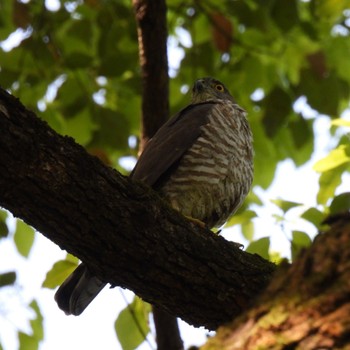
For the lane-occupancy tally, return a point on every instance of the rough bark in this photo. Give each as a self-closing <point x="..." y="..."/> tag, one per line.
<point x="152" y="37"/>
<point x="121" y="229"/>
<point x="306" y="306"/>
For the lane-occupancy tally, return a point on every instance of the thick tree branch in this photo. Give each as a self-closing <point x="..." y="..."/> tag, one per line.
<point x="122" y="230"/>
<point x="307" y="304"/>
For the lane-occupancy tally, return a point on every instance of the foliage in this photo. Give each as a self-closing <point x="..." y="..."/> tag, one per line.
<point x="60" y="271"/>
<point x="23" y="238"/>
<point x="31" y="341"/>
<point x="132" y="325"/>
<point x="77" y="67"/>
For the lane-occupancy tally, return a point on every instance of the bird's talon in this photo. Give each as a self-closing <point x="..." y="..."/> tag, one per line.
<point x="196" y="221"/>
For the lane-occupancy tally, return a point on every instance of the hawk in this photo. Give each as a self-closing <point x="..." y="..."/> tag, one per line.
<point x="200" y="161"/>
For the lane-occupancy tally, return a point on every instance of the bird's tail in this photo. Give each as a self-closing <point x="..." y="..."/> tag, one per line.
<point x="78" y="291"/>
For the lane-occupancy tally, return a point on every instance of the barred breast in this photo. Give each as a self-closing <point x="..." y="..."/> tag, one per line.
<point x="215" y="174"/>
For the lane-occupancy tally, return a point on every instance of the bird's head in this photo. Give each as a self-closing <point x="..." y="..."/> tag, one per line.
<point x="208" y="88"/>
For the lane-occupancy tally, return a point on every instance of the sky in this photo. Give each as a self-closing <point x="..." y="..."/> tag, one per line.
<point x="95" y="327"/>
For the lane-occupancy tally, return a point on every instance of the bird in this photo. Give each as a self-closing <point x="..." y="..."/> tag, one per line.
<point x="200" y="161"/>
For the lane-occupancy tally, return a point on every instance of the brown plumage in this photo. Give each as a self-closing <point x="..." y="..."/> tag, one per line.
<point x="201" y="161"/>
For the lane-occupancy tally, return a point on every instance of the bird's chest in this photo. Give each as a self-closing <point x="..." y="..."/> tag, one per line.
<point x="215" y="174"/>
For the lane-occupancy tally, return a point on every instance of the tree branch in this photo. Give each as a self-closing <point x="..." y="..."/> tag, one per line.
<point x="152" y="37"/>
<point x="307" y="304"/>
<point x="122" y="230"/>
<point x="167" y="330"/>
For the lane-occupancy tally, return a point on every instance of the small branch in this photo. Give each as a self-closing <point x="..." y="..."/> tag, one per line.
<point x="167" y="330"/>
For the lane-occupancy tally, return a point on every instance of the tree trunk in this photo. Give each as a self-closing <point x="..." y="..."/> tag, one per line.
<point x="152" y="37"/>
<point x="306" y="306"/>
<point x="121" y="229"/>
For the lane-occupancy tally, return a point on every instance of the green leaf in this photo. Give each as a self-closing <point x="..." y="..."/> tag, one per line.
<point x="329" y="181"/>
<point x="35" y="44"/>
<point x="7" y="278"/>
<point x="276" y="257"/>
<point x="75" y="130"/>
<point x="37" y="322"/>
<point x="303" y="142"/>
<point x="132" y="324"/>
<point x="4" y="231"/>
<point x="113" y="131"/>
<point x="301" y="131"/>
<point x="277" y="108"/>
<point x="285" y="205"/>
<point x="254" y="37"/>
<point x="27" y="342"/>
<point x="113" y="65"/>
<point x="314" y="216"/>
<point x="340" y="203"/>
<point x="285" y="16"/>
<point x="260" y="247"/>
<point x="341" y="122"/>
<point x="58" y="273"/>
<point x="337" y="157"/>
<point x="322" y="94"/>
<point x="3" y="215"/>
<point x="285" y="144"/>
<point x="337" y="52"/>
<point x="241" y="218"/>
<point x="254" y="74"/>
<point x="201" y="34"/>
<point x="278" y="218"/>
<point x="77" y="37"/>
<point x="78" y="60"/>
<point x="7" y="25"/>
<point x="248" y="230"/>
<point x="73" y="94"/>
<point x="264" y="170"/>
<point x="328" y="10"/>
<point x="300" y="240"/>
<point x="24" y="238"/>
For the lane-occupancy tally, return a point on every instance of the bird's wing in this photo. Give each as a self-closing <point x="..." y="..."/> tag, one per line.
<point x="171" y="141"/>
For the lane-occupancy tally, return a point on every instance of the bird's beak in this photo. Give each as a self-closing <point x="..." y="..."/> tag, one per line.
<point x="198" y="86"/>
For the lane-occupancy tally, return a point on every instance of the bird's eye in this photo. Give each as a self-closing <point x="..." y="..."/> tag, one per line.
<point x="219" y="87"/>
